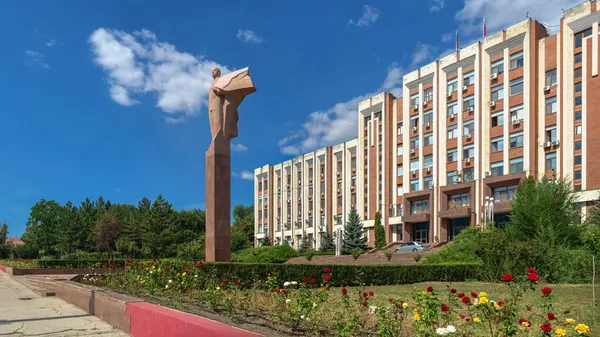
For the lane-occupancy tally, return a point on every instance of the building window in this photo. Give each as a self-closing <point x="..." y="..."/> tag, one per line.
<point x="399" y="128"/>
<point x="468" y="102"/>
<point x="579" y="37"/>
<point x="469" y="127"/>
<point x="497" y="118"/>
<point x="452" y="155"/>
<point x="516" y="86"/>
<point x="505" y="192"/>
<point x="339" y="201"/>
<point x="516" y="112"/>
<point x="414" y="185"/>
<point x="578" y="159"/>
<point x="414" y="165"/>
<point x="459" y="200"/>
<point x="428" y="139"/>
<point x="497" y="169"/>
<point x="516" y="60"/>
<point x="498" y="67"/>
<point x="428" y="117"/>
<point x="452" y="131"/>
<point x="451" y="178"/>
<point x="428" y="161"/>
<point x="577" y="58"/>
<point x="414" y="100"/>
<point x="516" y="139"/>
<point x="414" y="121"/>
<point x="428" y="95"/>
<point x="469" y="78"/>
<point x="577" y="145"/>
<point x="414" y="143"/>
<point x="578" y="87"/>
<point x="400" y="150"/>
<point x="578" y="115"/>
<point x="399" y="190"/>
<point x="516" y="165"/>
<point x="469" y="151"/>
<point x="260" y="186"/>
<point x="453" y="85"/>
<point x="578" y="129"/>
<point x="428" y="182"/>
<point x="452" y="109"/>
<point x="419" y="206"/>
<point x="468" y="174"/>
<point x="551" y="78"/>
<point x="498" y="92"/>
<point x="577" y="73"/>
<point x="399" y="170"/>
<point x="551" y="105"/>
<point x="577" y="174"/>
<point x="551" y="133"/>
<point x="550" y="161"/>
<point x="498" y="144"/>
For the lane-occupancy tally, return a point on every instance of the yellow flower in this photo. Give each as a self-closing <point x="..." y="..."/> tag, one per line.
<point x="482" y="294"/>
<point x="423" y="293"/>
<point x="570" y="321"/>
<point x="184" y="273"/>
<point x="582" y="329"/>
<point x="178" y="274"/>
<point x="476" y="320"/>
<point x="525" y="324"/>
<point x="153" y="267"/>
<point x="431" y="297"/>
<point x="483" y="300"/>
<point x="561" y="332"/>
<point x="404" y="305"/>
<point x="417" y="317"/>
<point x="496" y="306"/>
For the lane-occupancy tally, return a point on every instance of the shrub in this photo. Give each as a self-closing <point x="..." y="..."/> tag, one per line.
<point x="269" y="254"/>
<point x="239" y="241"/>
<point x="417" y="257"/>
<point x="388" y="254"/>
<point x="356" y="253"/>
<point x="78" y="263"/>
<point x="309" y="255"/>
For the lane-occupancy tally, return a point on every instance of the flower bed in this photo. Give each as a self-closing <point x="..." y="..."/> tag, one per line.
<point x="310" y="304"/>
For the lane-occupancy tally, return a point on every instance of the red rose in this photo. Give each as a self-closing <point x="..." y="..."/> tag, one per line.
<point x="344" y="291"/>
<point x="153" y="259"/>
<point x="551" y="316"/>
<point x="466" y="300"/>
<point x="237" y="283"/>
<point x="430" y="289"/>
<point x="278" y="290"/>
<point x="445" y="308"/>
<point x="327" y="288"/>
<point x="546" y="290"/>
<point x="507" y="277"/>
<point x="391" y="299"/>
<point x="461" y="295"/>
<point x="521" y="320"/>
<point x="365" y="294"/>
<point x="327" y="277"/>
<point x="473" y="294"/>
<point x="533" y="277"/>
<point x="325" y="270"/>
<point x="500" y="303"/>
<point x="529" y="307"/>
<point x="285" y="291"/>
<point x="453" y="291"/>
<point x="304" y="279"/>
<point x="546" y="327"/>
<point x="312" y="280"/>
<point x="364" y="304"/>
<point x="467" y="319"/>
<point x="371" y="293"/>
<point x="531" y="271"/>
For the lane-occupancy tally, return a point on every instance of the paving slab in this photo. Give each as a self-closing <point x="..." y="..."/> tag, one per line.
<point x="25" y="313"/>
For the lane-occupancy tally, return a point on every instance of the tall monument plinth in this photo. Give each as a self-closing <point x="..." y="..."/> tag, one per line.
<point x="224" y="96"/>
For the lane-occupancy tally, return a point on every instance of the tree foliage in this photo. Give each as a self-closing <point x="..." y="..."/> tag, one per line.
<point x="354" y="237"/>
<point x="380" y="241"/>
<point x="327" y="242"/>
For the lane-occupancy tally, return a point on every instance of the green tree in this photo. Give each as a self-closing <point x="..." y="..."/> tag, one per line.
<point x="380" y="241"/>
<point x="243" y="221"/>
<point x="306" y="243"/>
<point x="155" y="237"/>
<point x="354" y="237"/>
<point x="327" y="242"/>
<point x="591" y="240"/>
<point x="239" y="241"/>
<point x="3" y="232"/>
<point x="108" y="231"/>
<point x="69" y="228"/>
<point x="42" y="226"/>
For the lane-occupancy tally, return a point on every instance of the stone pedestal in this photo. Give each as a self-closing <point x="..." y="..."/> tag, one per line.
<point x="218" y="200"/>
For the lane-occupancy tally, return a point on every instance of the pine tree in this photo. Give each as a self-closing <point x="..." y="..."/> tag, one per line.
<point x="354" y="237"/>
<point x="327" y="242"/>
<point x="379" y="232"/>
<point x="305" y="244"/>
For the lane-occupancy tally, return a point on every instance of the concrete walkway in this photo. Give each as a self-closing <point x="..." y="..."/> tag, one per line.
<point x="24" y="313"/>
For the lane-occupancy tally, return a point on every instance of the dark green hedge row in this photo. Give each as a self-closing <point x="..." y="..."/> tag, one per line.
<point x="344" y="275"/>
<point x="79" y="263"/>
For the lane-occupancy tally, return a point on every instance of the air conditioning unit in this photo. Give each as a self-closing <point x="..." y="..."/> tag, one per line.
<point x="516" y="121"/>
<point x="309" y="212"/>
<point x="412" y="151"/>
<point x="547" y="88"/>
<point x="488" y="173"/>
<point x="493" y="103"/>
<point x="322" y="175"/>
<point x="278" y="189"/>
<point x="320" y="210"/>
<point x="299" y="198"/>
<point x="547" y="144"/>
<point x="493" y="76"/>
<point x="458" y="179"/>
<point x="299" y="213"/>
<point x="431" y="186"/>
<point x="339" y="174"/>
<point x="352" y="187"/>
<point x="468" y="135"/>
<point x="471" y="109"/>
<point x="468" y="160"/>
<point x="428" y="169"/>
<point x="354" y="170"/>
<point x="322" y="193"/>
<point x="310" y="180"/>
<point x="289" y="201"/>
<point x="338" y="190"/>
<point x="425" y="103"/>
<point x="299" y="182"/>
<point x="555" y="142"/>
<point x="415" y="107"/>
<point x="414" y="173"/>
<point x="414" y="128"/>
<point x="321" y="228"/>
<point x="465" y="88"/>
<point x="458" y="172"/>
<point x="310" y="196"/>
<point x="427" y="124"/>
<point x="449" y="94"/>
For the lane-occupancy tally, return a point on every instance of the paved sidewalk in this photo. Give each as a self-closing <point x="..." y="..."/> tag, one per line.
<point x="24" y="313"/>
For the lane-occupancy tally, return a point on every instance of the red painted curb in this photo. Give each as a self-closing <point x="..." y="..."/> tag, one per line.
<point x="3" y="268"/>
<point x="150" y="320"/>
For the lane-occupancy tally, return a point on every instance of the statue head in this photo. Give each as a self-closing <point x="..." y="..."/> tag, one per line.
<point x="216" y="72"/>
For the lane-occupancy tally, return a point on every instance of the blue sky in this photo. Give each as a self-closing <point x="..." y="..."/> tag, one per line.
<point x="108" y="98"/>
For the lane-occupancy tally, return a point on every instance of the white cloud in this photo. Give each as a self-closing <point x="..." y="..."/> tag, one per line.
<point x="246" y="175"/>
<point x="239" y="147"/>
<point x="50" y="43"/>
<point x="137" y="64"/>
<point x="437" y="5"/>
<point x="500" y="14"/>
<point x="246" y="35"/>
<point x="369" y="16"/>
<point x="421" y="54"/>
<point x="338" y="123"/>
<point x="36" y="59"/>
<point x="447" y="37"/>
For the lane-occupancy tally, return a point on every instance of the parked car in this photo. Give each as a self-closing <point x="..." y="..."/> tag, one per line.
<point x="411" y="247"/>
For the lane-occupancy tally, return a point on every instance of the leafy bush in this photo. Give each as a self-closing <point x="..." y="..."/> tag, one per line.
<point x="319" y="252"/>
<point x="192" y="250"/>
<point x="356" y="253"/>
<point x="309" y="255"/>
<point x="239" y="241"/>
<point x="78" y="263"/>
<point x="269" y="254"/>
<point x="389" y="254"/>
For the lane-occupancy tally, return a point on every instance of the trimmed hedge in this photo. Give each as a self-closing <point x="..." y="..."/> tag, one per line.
<point x="265" y="254"/>
<point x="79" y="263"/>
<point x="344" y="275"/>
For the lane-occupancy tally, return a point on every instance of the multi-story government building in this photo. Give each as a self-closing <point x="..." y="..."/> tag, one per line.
<point x="467" y="129"/>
